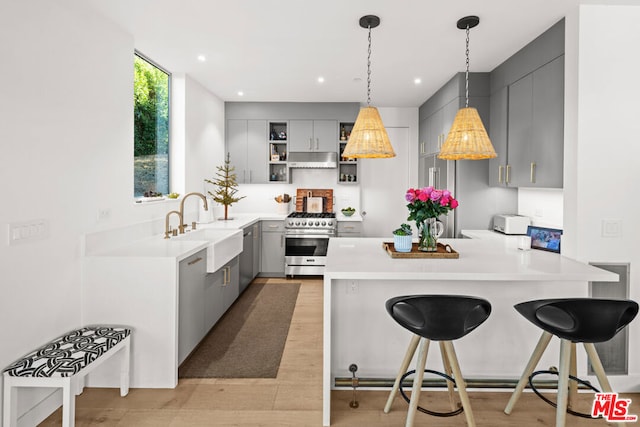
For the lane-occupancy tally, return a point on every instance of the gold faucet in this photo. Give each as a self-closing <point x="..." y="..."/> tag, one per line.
<point x="204" y="201"/>
<point x="167" y="229"/>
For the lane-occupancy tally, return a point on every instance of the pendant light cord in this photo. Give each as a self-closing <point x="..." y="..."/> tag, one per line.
<point x="369" y="70"/>
<point x="466" y="76"/>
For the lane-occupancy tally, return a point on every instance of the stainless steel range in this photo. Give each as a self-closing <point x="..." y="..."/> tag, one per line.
<point x="306" y="241"/>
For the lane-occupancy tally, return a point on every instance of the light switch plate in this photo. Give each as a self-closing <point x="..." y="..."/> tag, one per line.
<point x="611" y="228"/>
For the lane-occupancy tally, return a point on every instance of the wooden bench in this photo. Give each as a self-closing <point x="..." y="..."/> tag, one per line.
<point x="64" y="362"/>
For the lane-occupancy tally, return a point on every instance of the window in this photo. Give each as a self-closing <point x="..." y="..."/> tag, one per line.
<point x="151" y="128"/>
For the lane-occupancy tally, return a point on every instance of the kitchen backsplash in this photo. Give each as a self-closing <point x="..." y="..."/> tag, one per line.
<point x="260" y="197"/>
<point x="543" y="205"/>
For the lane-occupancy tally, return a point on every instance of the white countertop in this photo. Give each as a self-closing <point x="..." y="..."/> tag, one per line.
<point x="480" y="260"/>
<point x="179" y="248"/>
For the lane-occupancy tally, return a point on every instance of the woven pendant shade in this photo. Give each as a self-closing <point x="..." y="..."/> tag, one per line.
<point x="467" y="138"/>
<point x="368" y="137"/>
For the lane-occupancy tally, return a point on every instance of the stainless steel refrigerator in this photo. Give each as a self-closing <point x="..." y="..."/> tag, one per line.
<point x="468" y="181"/>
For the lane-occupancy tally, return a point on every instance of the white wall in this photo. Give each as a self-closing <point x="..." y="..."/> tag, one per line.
<point x="601" y="181"/>
<point x="66" y="134"/>
<point x="545" y="206"/>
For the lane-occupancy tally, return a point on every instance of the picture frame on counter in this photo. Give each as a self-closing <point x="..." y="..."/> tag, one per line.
<point x="546" y="239"/>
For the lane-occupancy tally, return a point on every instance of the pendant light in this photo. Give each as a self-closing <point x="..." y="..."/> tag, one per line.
<point x="467" y="138"/>
<point x="369" y="137"/>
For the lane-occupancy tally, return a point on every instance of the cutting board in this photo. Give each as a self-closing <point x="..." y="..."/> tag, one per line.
<point x="303" y="193"/>
<point x="314" y="204"/>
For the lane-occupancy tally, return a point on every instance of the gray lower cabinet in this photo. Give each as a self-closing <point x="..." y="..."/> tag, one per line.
<point x="192" y="274"/>
<point x="202" y="299"/>
<point x="257" y="249"/>
<point x="349" y="229"/>
<point x="246" y="258"/>
<point x="272" y="248"/>
<point x="313" y="135"/>
<point x="248" y="149"/>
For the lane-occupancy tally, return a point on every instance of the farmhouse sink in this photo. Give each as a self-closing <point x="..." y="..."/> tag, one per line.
<point x="223" y="245"/>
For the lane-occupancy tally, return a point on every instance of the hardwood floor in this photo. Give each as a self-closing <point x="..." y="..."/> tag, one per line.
<point x="294" y="398"/>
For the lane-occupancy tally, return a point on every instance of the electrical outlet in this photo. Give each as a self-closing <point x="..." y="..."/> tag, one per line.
<point x="352" y="287"/>
<point x="104" y="214"/>
<point x="22" y="232"/>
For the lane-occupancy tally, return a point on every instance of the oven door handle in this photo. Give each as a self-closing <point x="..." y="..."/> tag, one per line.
<point x="308" y="236"/>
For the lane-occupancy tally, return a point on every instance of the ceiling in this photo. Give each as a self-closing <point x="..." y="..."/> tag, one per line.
<point x="275" y="50"/>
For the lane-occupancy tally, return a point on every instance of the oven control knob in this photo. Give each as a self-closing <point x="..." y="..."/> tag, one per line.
<point x="297" y="222"/>
<point x="290" y="222"/>
<point x="330" y="223"/>
<point x="304" y="222"/>
<point x="324" y="223"/>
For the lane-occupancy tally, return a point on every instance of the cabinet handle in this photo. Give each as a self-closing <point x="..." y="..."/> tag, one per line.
<point x="197" y="260"/>
<point x="532" y="176"/>
<point x="500" y="170"/>
<point x="224" y="276"/>
<point x="508" y="175"/>
<point x="282" y="240"/>
<point x="317" y="143"/>
<point x="250" y="176"/>
<point x="310" y="142"/>
<point x="348" y="227"/>
<point x="273" y="226"/>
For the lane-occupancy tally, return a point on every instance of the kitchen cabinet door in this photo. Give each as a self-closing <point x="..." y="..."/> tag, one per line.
<point x="548" y="125"/>
<point x="325" y="135"/>
<point x="237" y="148"/>
<point x="272" y="261"/>
<point x="423" y="132"/>
<point x="257" y="242"/>
<point x="313" y="135"/>
<point x="246" y="258"/>
<point x="449" y="112"/>
<point x="231" y="286"/>
<point x="257" y="151"/>
<point x="520" y="130"/>
<point x="192" y="273"/>
<point x="248" y="150"/>
<point x="213" y="304"/>
<point x="349" y="229"/>
<point x="434" y="132"/>
<point x="498" y="105"/>
<point x="536" y="128"/>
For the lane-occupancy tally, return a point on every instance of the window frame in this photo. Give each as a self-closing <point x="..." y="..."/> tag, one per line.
<point x="145" y="58"/>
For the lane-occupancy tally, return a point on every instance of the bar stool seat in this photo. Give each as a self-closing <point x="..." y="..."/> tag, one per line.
<point x="573" y="320"/>
<point x="442" y="318"/>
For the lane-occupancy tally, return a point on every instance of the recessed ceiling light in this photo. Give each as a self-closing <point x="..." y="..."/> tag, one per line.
<point x="202" y="58"/>
<point x="320" y="79"/>
<point x="417" y="80"/>
<point x="240" y="93"/>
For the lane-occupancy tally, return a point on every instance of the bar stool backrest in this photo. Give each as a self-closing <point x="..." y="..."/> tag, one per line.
<point x="580" y="319"/>
<point x="439" y="317"/>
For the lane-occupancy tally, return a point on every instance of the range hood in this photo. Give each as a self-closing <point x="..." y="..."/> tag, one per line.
<point x="312" y="159"/>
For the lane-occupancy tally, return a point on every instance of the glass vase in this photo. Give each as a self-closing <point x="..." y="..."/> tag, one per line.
<point x="430" y="230"/>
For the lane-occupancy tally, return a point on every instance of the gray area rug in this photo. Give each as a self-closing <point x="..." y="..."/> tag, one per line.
<point x="248" y="341"/>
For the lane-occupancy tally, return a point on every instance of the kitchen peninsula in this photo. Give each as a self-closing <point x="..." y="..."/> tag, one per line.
<point x="360" y="276"/>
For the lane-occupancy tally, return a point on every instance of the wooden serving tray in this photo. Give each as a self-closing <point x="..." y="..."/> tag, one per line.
<point x="444" y="251"/>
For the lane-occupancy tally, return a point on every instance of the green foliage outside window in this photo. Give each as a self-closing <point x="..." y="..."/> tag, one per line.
<point x="151" y="128"/>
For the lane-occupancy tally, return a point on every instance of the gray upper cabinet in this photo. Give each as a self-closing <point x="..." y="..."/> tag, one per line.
<point x="527" y="114"/>
<point x="536" y="128"/>
<point x="313" y="135"/>
<point x="498" y="106"/>
<point x="246" y="144"/>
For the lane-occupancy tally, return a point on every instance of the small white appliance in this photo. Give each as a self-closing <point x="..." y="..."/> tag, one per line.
<point x="511" y="224"/>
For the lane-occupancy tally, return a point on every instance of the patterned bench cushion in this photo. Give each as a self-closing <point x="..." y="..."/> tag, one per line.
<point x="68" y="354"/>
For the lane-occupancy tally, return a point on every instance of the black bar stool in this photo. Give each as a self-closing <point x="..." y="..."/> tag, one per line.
<point x="573" y="320"/>
<point x="442" y="318"/>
